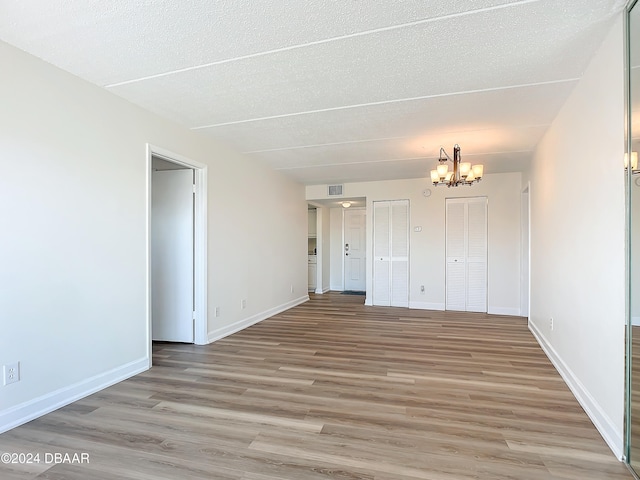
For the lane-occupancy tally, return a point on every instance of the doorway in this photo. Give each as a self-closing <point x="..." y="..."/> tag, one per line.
<point x="355" y="235"/>
<point x="176" y="263"/>
<point x="172" y="257"/>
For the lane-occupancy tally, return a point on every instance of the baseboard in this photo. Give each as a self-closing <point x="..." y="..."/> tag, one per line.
<point x="602" y="422"/>
<point x="252" y="320"/>
<point x="426" y="306"/>
<point x="635" y="321"/>
<point x="322" y="291"/>
<point x="31" y="409"/>
<point x="514" y="312"/>
<point x="336" y="288"/>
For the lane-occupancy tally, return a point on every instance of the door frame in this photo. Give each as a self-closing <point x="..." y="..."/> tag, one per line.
<point x="200" y="242"/>
<point x="525" y="259"/>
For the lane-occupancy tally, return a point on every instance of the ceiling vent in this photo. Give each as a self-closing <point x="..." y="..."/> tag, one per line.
<point x="335" y="190"/>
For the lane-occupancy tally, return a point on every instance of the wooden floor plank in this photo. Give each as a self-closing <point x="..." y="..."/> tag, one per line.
<point x="332" y="389"/>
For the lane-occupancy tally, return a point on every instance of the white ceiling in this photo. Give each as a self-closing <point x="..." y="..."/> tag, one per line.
<point x="332" y="91"/>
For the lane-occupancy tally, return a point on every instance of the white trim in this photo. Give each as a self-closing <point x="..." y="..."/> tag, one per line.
<point x="525" y="256"/>
<point x="319" y="250"/>
<point x="200" y="259"/>
<point x="368" y="300"/>
<point x="320" y="291"/>
<point x="147" y="240"/>
<point x="611" y="435"/>
<point x="31" y="409"/>
<point x="427" y="306"/>
<point x="514" y="312"/>
<point x="635" y="321"/>
<point x="247" y="322"/>
<point x="342" y="262"/>
<point x="200" y="242"/>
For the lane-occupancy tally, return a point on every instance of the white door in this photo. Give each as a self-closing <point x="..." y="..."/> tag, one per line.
<point x="400" y="253"/>
<point x="466" y="254"/>
<point x="172" y="255"/>
<point x="391" y="253"/>
<point x="354" y="249"/>
<point x="381" y="253"/>
<point x="456" y="257"/>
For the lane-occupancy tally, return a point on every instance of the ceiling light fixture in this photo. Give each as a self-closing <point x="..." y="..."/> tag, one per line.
<point x="346" y="204"/>
<point x="463" y="172"/>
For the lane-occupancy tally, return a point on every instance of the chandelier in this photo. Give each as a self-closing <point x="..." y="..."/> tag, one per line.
<point x="463" y="172"/>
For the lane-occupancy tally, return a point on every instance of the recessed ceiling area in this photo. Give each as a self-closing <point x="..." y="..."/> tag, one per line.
<point x="332" y="92"/>
<point x="354" y="202"/>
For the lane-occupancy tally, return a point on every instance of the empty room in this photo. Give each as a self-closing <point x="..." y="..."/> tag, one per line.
<point x="324" y="239"/>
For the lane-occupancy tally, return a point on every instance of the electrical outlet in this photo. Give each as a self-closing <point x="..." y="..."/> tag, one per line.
<point x="217" y="311"/>
<point x="11" y="373"/>
<point x="551" y="323"/>
<point x="243" y="303"/>
<point x="422" y="289"/>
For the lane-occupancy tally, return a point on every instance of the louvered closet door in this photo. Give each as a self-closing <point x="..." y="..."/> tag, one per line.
<point x="381" y="250"/>
<point x="476" y="255"/>
<point x="400" y="253"/>
<point x="391" y="253"/>
<point x="466" y="244"/>
<point x="456" y="276"/>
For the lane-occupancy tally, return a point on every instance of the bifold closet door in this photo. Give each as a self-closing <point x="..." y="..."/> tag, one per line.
<point x="466" y="254"/>
<point x="391" y="253"/>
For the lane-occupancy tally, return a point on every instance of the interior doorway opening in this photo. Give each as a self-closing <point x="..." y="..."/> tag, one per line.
<point x="176" y="248"/>
<point x="355" y="249"/>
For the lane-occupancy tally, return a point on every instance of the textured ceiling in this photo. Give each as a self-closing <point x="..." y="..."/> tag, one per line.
<point x="331" y="91"/>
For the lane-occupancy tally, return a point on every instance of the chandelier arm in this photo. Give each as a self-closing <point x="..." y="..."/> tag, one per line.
<point x="443" y="154"/>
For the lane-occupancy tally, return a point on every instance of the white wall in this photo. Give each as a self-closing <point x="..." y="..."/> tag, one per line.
<point x="578" y="240"/>
<point x="73" y="248"/>
<point x="324" y="216"/>
<point x="427" y="254"/>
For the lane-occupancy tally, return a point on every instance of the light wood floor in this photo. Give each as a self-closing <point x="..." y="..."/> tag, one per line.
<point x="333" y="390"/>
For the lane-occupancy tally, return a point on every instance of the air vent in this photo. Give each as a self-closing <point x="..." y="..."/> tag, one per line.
<point x="335" y="190"/>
